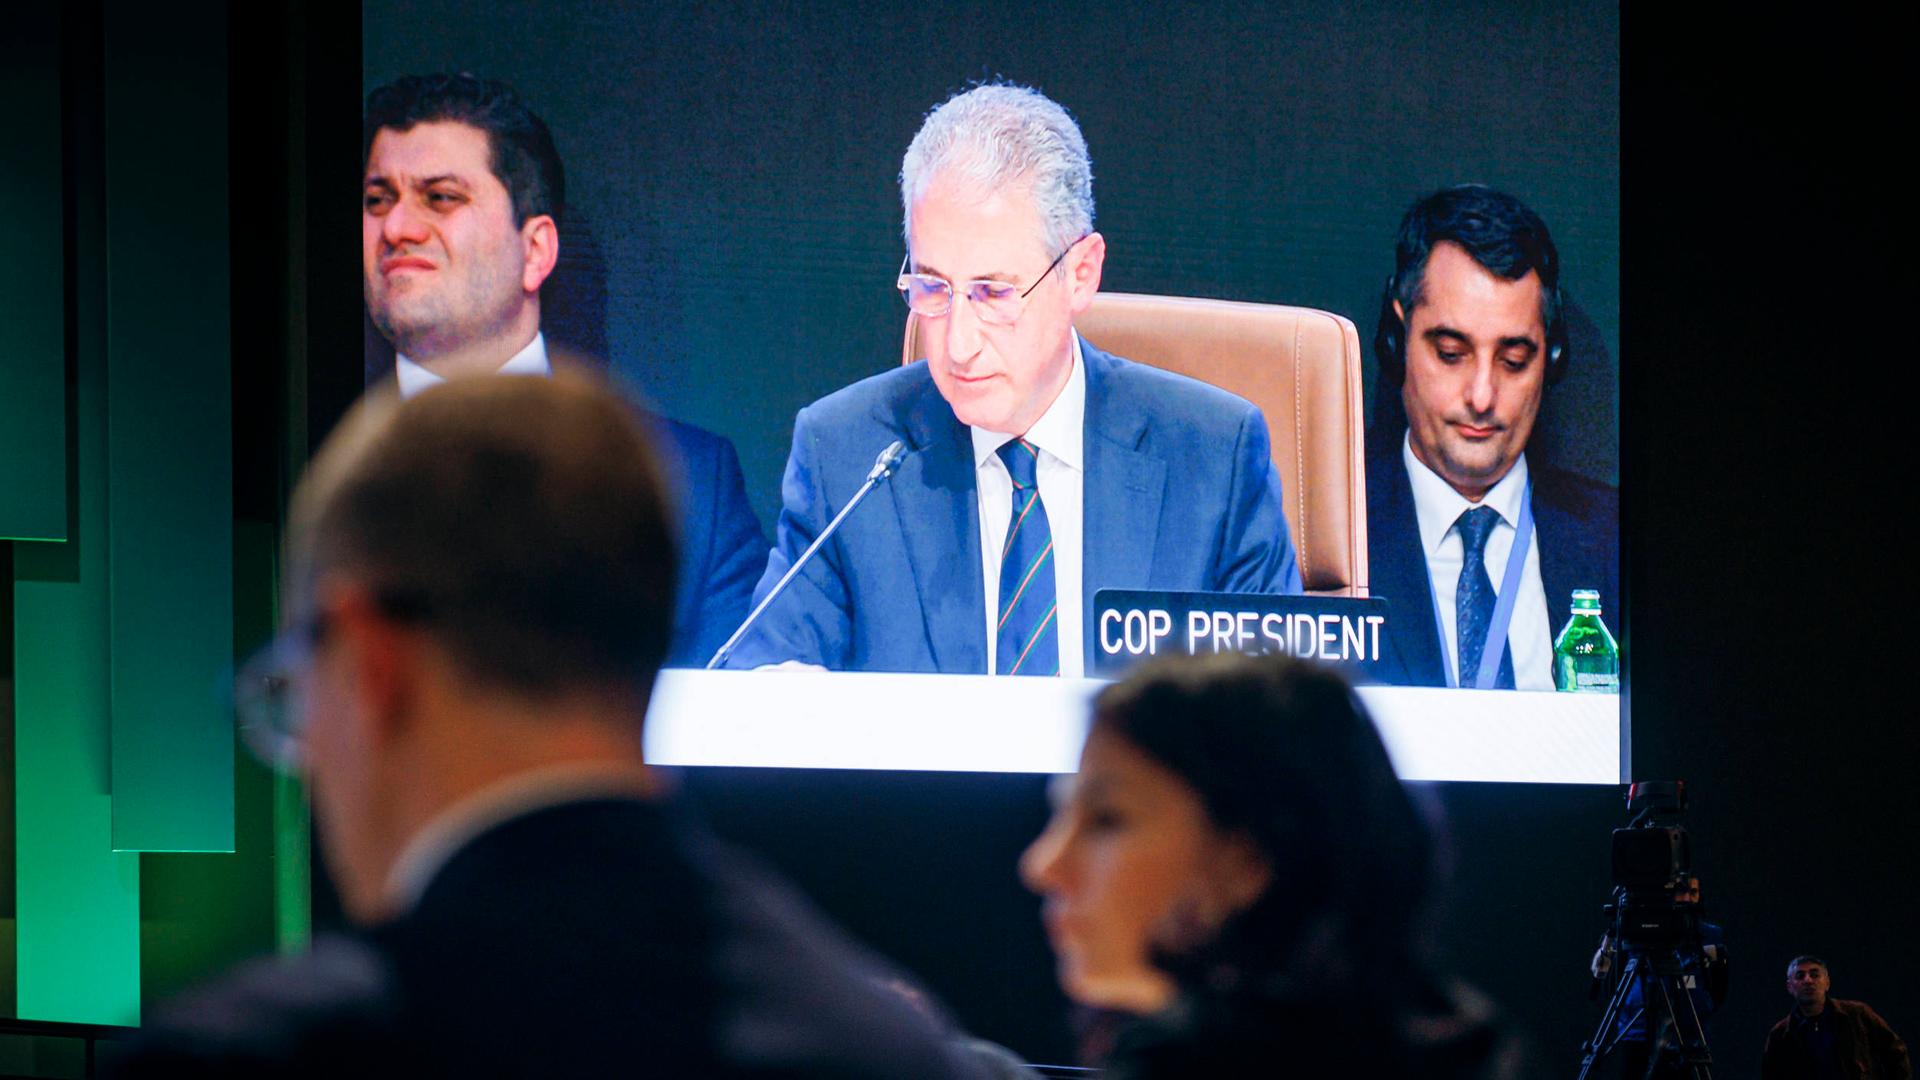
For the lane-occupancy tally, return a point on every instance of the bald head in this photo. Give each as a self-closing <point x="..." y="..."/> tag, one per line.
<point x="521" y="523"/>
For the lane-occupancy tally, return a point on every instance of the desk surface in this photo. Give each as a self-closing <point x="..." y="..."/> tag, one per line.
<point x="978" y="723"/>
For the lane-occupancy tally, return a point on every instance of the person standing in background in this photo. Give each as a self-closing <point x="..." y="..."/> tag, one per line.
<point x="1826" y="1038"/>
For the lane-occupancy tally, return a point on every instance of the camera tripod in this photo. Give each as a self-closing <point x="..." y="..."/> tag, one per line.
<point x="1674" y="1034"/>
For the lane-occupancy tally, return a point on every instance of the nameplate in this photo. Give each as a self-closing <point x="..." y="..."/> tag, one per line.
<point x="1131" y="625"/>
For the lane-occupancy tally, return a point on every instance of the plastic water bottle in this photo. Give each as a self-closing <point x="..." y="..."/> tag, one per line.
<point x="1586" y="660"/>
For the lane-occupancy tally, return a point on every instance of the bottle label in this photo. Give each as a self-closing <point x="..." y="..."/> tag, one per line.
<point x="1587" y="682"/>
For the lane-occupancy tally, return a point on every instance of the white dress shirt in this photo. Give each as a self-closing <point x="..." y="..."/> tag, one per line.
<point x="531" y="360"/>
<point x="1060" y="436"/>
<point x="1438" y="507"/>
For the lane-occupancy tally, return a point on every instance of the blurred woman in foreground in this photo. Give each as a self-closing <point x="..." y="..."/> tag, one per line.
<point x="1237" y="867"/>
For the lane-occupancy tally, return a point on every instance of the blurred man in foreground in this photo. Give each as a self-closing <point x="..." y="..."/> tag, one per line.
<point x="459" y="231"/>
<point x="468" y="706"/>
<point x="1827" y="1037"/>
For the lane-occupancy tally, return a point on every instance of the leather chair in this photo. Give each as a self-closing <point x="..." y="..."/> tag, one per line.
<point x="1301" y="366"/>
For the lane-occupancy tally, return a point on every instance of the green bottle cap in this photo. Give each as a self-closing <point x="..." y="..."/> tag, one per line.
<point x="1586" y="601"/>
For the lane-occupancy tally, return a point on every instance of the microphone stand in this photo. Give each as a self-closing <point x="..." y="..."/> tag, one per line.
<point x="883" y="467"/>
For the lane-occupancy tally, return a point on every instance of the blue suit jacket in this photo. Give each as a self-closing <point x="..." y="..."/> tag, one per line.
<point x="1180" y="493"/>
<point x="1576" y="524"/>
<point x="722" y="547"/>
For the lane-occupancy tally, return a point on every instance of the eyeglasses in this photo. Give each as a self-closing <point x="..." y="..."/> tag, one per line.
<point x="268" y="704"/>
<point x="996" y="303"/>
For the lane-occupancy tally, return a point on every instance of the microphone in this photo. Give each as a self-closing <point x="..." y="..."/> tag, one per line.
<point x="883" y="467"/>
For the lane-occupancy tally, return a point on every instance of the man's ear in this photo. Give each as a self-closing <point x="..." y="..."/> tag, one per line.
<point x="1401" y="314"/>
<point x="1083" y="271"/>
<point x="540" y="242"/>
<point x="385" y="659"/>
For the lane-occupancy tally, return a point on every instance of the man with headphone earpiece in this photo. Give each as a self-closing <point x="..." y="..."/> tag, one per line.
<point x="1477" y="547"/>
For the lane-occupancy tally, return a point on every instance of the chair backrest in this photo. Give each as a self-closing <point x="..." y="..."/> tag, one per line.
<point x="1301" y="366"/>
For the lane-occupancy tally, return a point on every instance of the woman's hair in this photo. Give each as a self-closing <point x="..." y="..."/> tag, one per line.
<point x="1280" y="751"/>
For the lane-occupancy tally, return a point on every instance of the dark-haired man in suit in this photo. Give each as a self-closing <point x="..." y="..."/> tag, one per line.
<point x="1472" y="333"/>
<point x="459" y="211"/>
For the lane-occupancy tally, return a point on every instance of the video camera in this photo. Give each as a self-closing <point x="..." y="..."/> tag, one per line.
<point x="1664" y="976"/>
<point x="1652" y="863"/>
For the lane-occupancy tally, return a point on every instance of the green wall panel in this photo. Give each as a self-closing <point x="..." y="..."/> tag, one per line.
<point x="169" y="429"/>
<point x="77" y="900"/>
<point x="203" y="911"/>
<point x="33" y="411"/>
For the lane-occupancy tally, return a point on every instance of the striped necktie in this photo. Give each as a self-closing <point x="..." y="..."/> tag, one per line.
<point x="1027" y="642"/>
<point x="1474" y="598"/>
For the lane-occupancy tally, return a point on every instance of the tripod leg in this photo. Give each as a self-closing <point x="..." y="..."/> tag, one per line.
<point x="1604" y="1039"/>
<point x="1681" y="1034"/>
<point x="1693" y="1038"/>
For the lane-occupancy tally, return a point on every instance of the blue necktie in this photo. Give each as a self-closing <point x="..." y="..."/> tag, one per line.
<point x="1028" y="638"/>
<point x="1474" y="598"/>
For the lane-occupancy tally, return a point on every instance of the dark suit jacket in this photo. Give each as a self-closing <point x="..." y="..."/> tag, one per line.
<point x="1429" y="1028"/>
<point x="1576" y="525"/>
<point x="722" y="548"/>
<point x="1864" y="1045"/>
<point x="1179" y="493"/>
<point x="597" y="938"/>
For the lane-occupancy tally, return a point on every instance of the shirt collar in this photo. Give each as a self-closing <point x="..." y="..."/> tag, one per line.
<point x="428" y="851"/>
<point x="1437" y="505"/>
<point x="1801" y="1019"/>
<point x="1060" y="431"/>
<point x="531" y="360"/>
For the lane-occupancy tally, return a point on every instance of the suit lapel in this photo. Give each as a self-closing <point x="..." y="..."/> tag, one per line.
<point x="1558" y="577"/>
<point x="1398" y="565"/>
<point x="1575" y="548"/>
<point x="1122" y="491"/>
<point x="934" y="495"/>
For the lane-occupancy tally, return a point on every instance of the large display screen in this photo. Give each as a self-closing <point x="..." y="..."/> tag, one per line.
<point x="1317" y="396"/>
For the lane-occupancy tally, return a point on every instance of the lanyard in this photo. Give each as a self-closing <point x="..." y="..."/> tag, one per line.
<point x="1502" y="606"/>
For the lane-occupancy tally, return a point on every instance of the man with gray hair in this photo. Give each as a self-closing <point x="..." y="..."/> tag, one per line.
<point x="1039" y="469"/>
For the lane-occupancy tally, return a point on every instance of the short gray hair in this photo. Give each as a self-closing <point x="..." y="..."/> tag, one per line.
<point x="998" y="135"/>
<point x="1804" y="959"/>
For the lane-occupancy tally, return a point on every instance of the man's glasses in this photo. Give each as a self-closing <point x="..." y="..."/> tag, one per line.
<point x="269" y="703"/>
<point x="996" y="303"/>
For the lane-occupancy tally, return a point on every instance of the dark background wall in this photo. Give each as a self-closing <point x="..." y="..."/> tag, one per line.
<point x="732" y="167"/>
<point x="1767" y="431"/>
